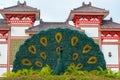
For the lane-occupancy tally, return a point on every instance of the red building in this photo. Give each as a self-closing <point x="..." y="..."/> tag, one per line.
<point x="18" y="25"/>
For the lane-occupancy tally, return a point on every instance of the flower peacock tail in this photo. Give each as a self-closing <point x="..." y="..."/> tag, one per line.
<point x="43" y="49"/>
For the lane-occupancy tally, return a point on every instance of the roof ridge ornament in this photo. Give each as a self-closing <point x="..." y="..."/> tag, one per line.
<point x="24" y="3"/>
<point x="89" y="4"/>
<point x="18" y="3"/>
<point x="111" y="19"/>
<point x="41" y="21"/>
<point x="83" y="3"/>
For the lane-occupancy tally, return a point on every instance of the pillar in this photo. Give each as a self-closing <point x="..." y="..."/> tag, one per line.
<point x="8" y="51"/>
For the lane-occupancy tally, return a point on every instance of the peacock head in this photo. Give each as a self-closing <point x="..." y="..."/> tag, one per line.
<point x="60" y="49"/>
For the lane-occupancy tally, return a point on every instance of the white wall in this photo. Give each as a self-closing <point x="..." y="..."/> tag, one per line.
<point x="110" y="40"/>
<point x="91" y="32"/>
<point x="3" y="40"/>
<point x="2" y="71"/>
<point x="18" y="31"/>
<point x="114" y="51"/>
<point x="3" y="53"/>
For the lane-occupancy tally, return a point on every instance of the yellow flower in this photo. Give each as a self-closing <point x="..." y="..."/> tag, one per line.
<point x="26" y="62"/>
<point x="86" y="48"/>
<point x="75" y="56"/>
<point x="66" y="73"/>
<point x="43" y="55"/>
<point x="38" y="63"/>
<point x="32" y="49"/>
<point x="58" y="37"/>
<point x="79" y="66"/>
<point x="74" y="40"/>
<point x="57" y="50"/>
<point x="92" y="60"/>
<point x="72" y="65"/>
<point x="43" y="41"/>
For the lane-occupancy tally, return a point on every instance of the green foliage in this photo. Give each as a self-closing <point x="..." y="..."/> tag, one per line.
<point x="109" y="73"/>
<point x="19" y="73"/>
<point x="72" y="74"/>
<point x="10" y="74"/>
<point x="72" y="70"/>
<point x="43" y="48"/>
<point x="46" y="70"/>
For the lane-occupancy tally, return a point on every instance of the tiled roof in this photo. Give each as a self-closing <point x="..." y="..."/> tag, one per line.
<point x="3" y="23"/>
<point x="20" y="7"/>
<point x="88" y="8"/>
<point x="47" y="25"/>
<point x="110" y="24"/>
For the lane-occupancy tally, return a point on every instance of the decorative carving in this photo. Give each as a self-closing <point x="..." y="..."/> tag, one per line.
<point x="20" y="18"/>
<point x="3" y="37"/>
<point x="110" y="35"/>
<point x="3" y="34"/>
<point x="87" y="19"/>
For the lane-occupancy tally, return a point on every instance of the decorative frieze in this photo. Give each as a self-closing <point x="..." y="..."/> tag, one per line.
<point x="24" y="19"/>
<point x="110" y="35"/>
<point x="87" y="19"/>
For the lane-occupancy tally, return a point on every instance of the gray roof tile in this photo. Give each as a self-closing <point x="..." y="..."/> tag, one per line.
<point x="47" y="25"/>
<point x="88" y="8"/>
<point x="20" y="7"/>
<point x="3" y="23"/>
<point x="110" y="24"/>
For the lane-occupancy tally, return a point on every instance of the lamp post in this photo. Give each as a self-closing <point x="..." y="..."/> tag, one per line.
<point x="109" y="54"/>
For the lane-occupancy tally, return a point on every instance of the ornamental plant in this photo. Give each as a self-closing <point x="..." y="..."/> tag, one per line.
<point x="71" y="73"/>
<point x="59" y="48"/>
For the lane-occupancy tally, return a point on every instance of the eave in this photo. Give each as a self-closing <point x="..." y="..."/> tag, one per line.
<point x="72" y="14"/>
<point x="37" y="13"/>
<point x="110" y="29"/>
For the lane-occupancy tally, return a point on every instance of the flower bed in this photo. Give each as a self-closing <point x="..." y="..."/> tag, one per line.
<point x="72" y="73"/>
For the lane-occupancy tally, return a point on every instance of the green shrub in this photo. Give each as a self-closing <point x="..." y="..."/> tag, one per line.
<point x="71" y="73"/>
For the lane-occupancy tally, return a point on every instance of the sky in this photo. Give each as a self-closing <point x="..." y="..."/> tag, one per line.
<point x="58" y="10"/>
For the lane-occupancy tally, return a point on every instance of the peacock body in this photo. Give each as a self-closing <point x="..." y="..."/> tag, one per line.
<point x="59" y="48"/>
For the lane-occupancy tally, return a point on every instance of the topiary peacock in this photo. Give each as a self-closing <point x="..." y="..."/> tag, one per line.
<point x="59" y="48"/>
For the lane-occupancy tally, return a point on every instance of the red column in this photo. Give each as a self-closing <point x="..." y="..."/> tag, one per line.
<point x="99" y="37"/>
<point x="8" y="51"/>
<point x="119" y="53"/>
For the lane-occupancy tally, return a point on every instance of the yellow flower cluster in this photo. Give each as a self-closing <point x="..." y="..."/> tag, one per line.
<point x="79" y="66"/>
<point x="43" y="55"/>
<point x="58" y="37"/>
<point x="32" y="49"/>
<point x="38" y="63"/>
<point x="74" y="40"/>
<point x="75" y="56"/>
<point x="86" y="48"/>
<point x="26" y="62"/>
<point x="92" y="60"/>
<point x="43" y="41"/>
<point x="57" y="50"/>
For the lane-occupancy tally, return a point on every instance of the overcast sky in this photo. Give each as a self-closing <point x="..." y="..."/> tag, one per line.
<point x="58" y="10"/>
